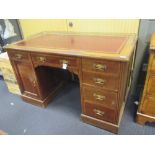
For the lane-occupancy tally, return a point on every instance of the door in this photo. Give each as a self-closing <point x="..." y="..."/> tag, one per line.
<point x="26" y="79"/>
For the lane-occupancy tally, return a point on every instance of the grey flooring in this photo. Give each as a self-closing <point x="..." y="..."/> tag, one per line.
<point x="61" y="117"/>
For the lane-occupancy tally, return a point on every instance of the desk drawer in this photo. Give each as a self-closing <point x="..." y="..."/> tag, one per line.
<point x="19" y="56"/>
<point x="148" y="105"/>
<point x="100" y="112"/>
<point x="98" y="96"/>
<point x="102" y="66"/>
<point x="100" y="80"/>
<point x="53" y="60"/>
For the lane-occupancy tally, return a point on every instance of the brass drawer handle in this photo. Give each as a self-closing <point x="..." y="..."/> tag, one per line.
<point x="99" y="112"/>
<point x="99" y="97"/>
<point x="99" y="81"/>
<point x="100" y="67"/>
<point x="18" y="56"/>
<point x="63" y="61"/>
<point x="41" y="59"/>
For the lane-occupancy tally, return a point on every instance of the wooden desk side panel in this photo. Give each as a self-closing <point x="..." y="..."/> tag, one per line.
<point x="146" y="109"/>
<point x="145" y="115"/>
<point x="147" y="79"/>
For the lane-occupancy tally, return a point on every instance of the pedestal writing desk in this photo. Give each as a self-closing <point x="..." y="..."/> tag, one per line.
<point x="102" y="63"/>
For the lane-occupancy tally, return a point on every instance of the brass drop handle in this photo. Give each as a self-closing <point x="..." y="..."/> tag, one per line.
<point x="64" y="62"/>
<point x="99" y="112"/>
<point x="41" y="59"/>
<point x="99" y="97"/>
<point x="100" y="67"/>
<point x="18" y="56"/>
<point x="99" y="81"/>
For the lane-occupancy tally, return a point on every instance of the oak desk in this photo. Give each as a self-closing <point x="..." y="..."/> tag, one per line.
<point x="102" y="63"/>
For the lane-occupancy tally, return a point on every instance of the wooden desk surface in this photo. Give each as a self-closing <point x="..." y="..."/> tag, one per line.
<point x="117" y="47"/>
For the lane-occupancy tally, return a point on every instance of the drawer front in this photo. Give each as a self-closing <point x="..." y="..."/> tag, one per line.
<point x="151" y="85"/>
<point x="102" y="66"/>
<point x="100" y="80"/>
<point x="56" y="61"/>
<point x="26" y="79"/>
<point x="100" y="112"/>
<point x="148" y="105"/>
<point x="19" y="56"/>
<point x="98" y="96"/>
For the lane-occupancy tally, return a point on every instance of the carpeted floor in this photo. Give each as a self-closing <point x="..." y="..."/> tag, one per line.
<point x="62" y="116"/>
